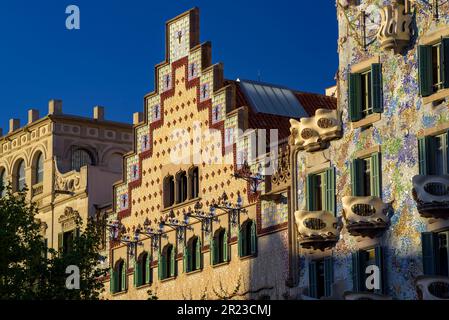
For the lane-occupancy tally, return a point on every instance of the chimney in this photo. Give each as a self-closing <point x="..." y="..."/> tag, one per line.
<point x="14" y="124"/>
<point x="137" y="117"/>
<point x="55" y="107"/>
<point x="33" y="115"/>
<point x="99" y="113"/>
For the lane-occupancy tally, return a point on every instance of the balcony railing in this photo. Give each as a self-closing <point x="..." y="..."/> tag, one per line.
<point x="432" y="287"/>
<point x="431" y="194"/>
<point x="395" y="32"/>
<point x="311" y="134"/>
<point x="37" y="189"/>
<point x="318" y="230"/>
<point x="365" y="216"/>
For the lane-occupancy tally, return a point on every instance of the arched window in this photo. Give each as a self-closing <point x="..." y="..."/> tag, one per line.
<point x="247" y="239"/>
<point x="20" y="176"/>
<point x="181" y="182"/>
<point x="142" y="271"/>
<point x="192" y="255"/>
<point x="194" y="183"/>
<point x="118" y="277"/>
<point x="39" y="169"/>
<point x="169" y="191"/>
<point x="3" y="182"/>
<point x="81" y="158"/>
<point x="166" y="267"/>
<point x="219" y="247"/>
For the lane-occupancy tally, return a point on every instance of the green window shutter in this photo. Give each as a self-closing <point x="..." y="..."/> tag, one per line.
<point x="380" y="264"/>
<point x="313" y="285"/>
<point x="253" y="239"/>
<point x="429" y="253"/>
<point x="355" y="97"/>
<point x="445" y="61"/>
<point x="60" y="242"/>
<point x="172" y="263"/>
<point x="310" y="188"/>
<point x="212" y="250"/>
<point x="112" y="281"/>
<point x="425" y="70"/>
<point x="423" y="158"/>
<point x="376" y="88"/>
<point x="136" y="275"/>
<point x="357" y="275"/>
<point x="357" y="178"/>
<point x="240" y="244"/>
<point x="148" y="269"/>
<point x="140" y="266"/>
<point x="198" y="255"/>
<point x="328" y="275"/>
<point x="376" y="175"/>
<point x="161" y="267"/>
<point x="225" y="247"/>
<point x="330" y="191"/>
<point x="185" y="260"/>
<point x="124" y="272"/>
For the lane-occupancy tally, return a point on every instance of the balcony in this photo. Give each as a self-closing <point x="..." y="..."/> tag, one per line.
<point x="365" y="296"/>
<point x="431" y="194"/>
<point x="432" y="287"/>
<point x="37" y="190"/>
<point x="312" y="134"/>
<point x="365" y="216"/>
<point x="318" y="230"/>
<point x="395" y="32"/>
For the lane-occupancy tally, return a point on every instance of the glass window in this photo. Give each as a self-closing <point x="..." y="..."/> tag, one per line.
<point x="3" y="182"/>
<point x="21" y="176"/>
<point x="39" y="174"/>
<point x="367" y="107"/>
<point x="367" y="177"/>
<point x="81" y="158"/>
<point x="437" y="67"/>
<point x="443" y="253"/>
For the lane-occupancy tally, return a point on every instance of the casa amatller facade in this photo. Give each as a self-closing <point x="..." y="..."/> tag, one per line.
<point x="371" y="178"/>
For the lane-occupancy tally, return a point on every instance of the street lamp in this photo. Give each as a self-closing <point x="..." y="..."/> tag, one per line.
<point x="154" y="234"/>
<point x="254" y="180"/>
<point x="206" y="218"/>
<point x="179" y="226"/>
<point x="234" y="210"/>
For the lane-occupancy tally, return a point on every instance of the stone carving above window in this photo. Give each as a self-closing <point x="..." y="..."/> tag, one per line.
<point x="68" y="219"/>
<point x="395" y="30"/>
<point x="312" y="134"/>
<point x="318" y="230"/>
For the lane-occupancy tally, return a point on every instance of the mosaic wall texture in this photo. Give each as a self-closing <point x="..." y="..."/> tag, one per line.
<point x="404" y="118"/>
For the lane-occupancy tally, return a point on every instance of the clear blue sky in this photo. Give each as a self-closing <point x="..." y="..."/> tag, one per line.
<point x="110" y="61"/>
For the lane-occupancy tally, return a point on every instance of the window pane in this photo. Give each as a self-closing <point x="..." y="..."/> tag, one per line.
<point x="436" y="67"/>
<point x="443" y="253"/>
<point x="39" y="174"/>
<point x="21" y="176"/>
<point x="367" y="177"/>
<point x="80" y="158"/>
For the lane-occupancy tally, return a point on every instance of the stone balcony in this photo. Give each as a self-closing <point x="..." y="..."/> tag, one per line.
<point x="431" y="194"/>
<point x="37" y="189"/>
<point x="395" y="31"/>
<point x="432" y="287"/>
<point x="312" y="134"/>
<point x="318" y="230"/>
<point x="365" y="216"/>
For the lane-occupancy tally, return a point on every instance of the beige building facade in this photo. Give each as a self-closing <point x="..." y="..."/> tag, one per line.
<point x="67" y="163"/>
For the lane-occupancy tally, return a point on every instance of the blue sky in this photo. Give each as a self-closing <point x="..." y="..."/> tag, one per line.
<point x="110" y="60"/>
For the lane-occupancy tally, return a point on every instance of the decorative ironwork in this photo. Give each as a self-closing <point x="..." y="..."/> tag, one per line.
<point x="254" y="180"/>
<point x="118" y="232"/>
<point x="155" y="235"/>
<point x="206" y="218"/>
<point x="179" y="226"/>
<point x="234" y="210"/>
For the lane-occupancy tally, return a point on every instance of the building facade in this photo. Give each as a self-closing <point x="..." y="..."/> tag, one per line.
<point x="204" y="208"/>
<point x="371" y="178"/>
<point x="67" y="163"/>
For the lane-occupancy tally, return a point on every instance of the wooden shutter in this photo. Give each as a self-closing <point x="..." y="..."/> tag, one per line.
<point x="355" y="97"/>
<point x="423" y="158"/>
<point x="124" y="272"/>
<point x="445" y="62"/>
<point x="328" y="276"/>
<point x="380" y="264"/>
<point x="136" y="276"/>
<point x="425" y="70"/>
<point x="240" y="244"/>
<point x="357" y="275"/>
<point x="376" y="175"/>
<point x="310" y="199"/>
<point x="330" y="191"/>
<point x="112" y="281"/>
<point x="198" y="255"/>
<point x="376" y="88"/>
<point x="225" y="247"/>
<point x="253" y="238"/>
<point x="429" y="253"/>
<point x="313" y="285"/>
<point x="213" y="250"/>
<point x="172" y="262"/>
<point x="185" y="259"/>
<point x="61" y="242"/>
<point x="357" y="178"/>
<point x="161" y="267"/>
<point x="148" y="269"/>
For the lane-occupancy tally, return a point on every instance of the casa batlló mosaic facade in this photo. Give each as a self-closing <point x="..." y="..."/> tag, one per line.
<point x="371" y="179"/>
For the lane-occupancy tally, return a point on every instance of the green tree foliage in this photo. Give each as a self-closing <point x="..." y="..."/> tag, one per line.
<point x="28" y="270"/>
